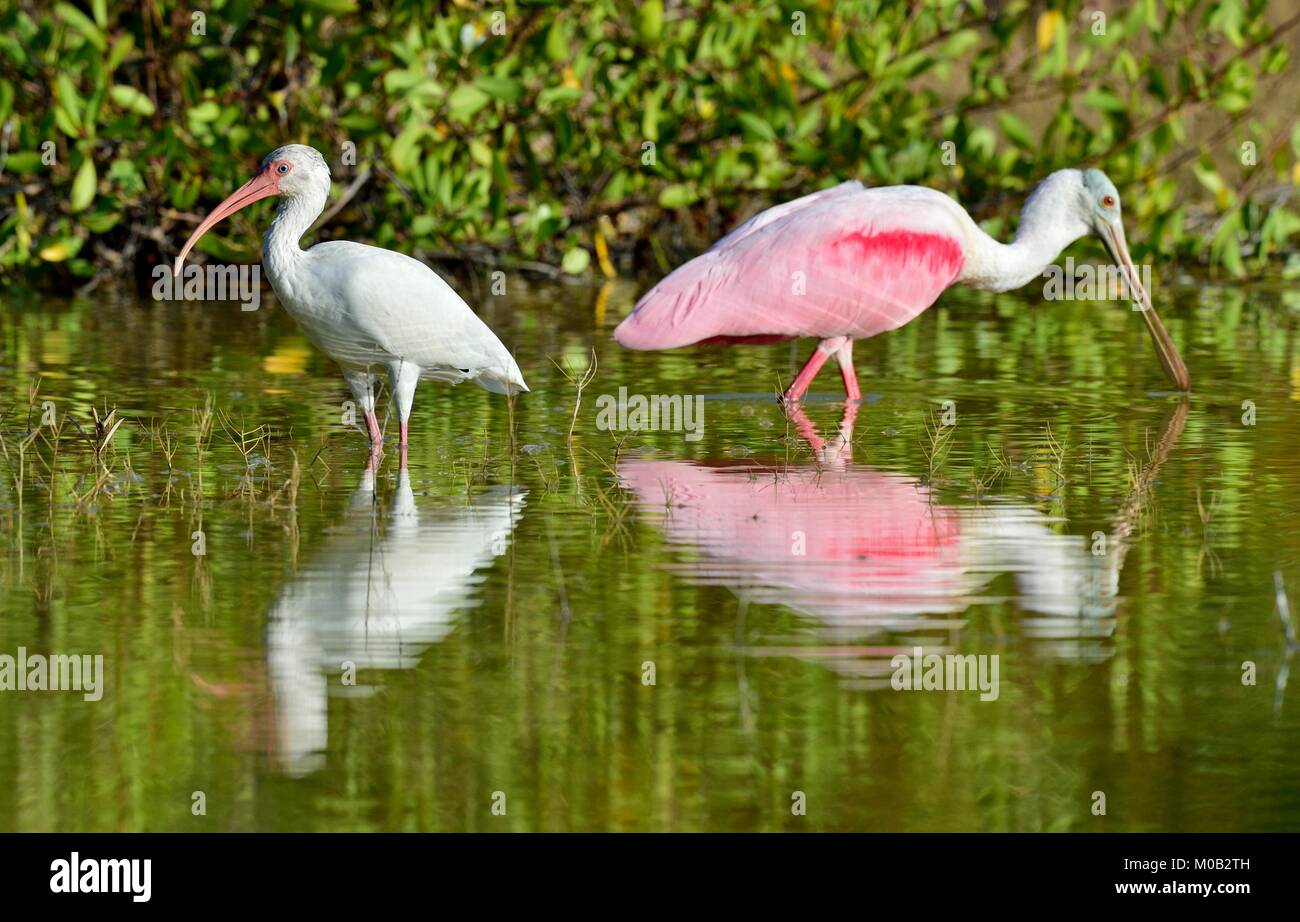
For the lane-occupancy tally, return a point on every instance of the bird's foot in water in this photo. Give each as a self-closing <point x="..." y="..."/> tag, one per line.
<point x="376" y="455"/>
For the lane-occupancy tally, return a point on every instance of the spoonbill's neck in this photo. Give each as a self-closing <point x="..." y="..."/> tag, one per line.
<point x="1048" y="224"/>
<point x="280" y="249"/>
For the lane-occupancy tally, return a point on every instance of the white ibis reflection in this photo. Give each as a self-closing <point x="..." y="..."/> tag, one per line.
<point x="376" y="595"/>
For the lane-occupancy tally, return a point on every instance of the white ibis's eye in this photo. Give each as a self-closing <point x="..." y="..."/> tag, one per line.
<point x="1108" y="201"/>
<point x="282" y="169"/>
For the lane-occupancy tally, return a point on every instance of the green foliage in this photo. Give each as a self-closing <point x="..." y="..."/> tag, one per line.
<point x="513" y="133"/>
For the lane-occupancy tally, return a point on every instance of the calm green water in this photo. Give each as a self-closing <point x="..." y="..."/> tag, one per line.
<point x="1112" y="544"/>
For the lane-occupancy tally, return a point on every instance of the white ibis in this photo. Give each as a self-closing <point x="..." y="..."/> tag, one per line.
<point x="371" y="310"/>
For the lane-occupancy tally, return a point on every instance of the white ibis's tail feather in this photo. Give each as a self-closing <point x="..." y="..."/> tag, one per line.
<point x="508" y="380"/>
<point x="366" y="306"/>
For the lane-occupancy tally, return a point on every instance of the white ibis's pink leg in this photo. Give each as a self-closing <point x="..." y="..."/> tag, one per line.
<point x="403" y="376"/>
<point x="845" y="357"/>
<point x="404" y="435"/>
<point x="825" y="349"/>
<point x="362" y="385"/>
<point x="372" y="426"/>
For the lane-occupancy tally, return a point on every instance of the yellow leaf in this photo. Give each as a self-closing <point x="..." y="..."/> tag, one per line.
<point x="1295" y="173"/>
<point x="55" y="252"/>
<point x="602" y="255"/>
<point x="288" y="359"/>
<point x="1048" y="23"/>
<point x="602" y="302"/>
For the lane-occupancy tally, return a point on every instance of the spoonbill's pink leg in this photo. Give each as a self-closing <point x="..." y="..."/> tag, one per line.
<point x="845" y="357"/>
<point x="835" y="453"/>
<point x="825" y="349"/>
<point x="804" y="426"/>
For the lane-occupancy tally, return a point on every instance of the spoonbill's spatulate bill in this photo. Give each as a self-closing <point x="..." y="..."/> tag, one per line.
<point x="371" y="310"/>
<point x="850" y="262"/>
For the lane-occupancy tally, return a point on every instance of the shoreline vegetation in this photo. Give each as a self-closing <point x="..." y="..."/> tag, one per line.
<point x="599" y="139"/>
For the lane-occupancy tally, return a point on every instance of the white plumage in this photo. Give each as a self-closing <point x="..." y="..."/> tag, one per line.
<point x="374" y="311"/>
<point x="376" y="595"/>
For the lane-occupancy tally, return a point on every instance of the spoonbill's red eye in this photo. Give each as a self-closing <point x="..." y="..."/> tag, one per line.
<point x="1108" y="201"/>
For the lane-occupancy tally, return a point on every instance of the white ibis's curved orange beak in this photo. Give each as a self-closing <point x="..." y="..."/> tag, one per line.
<point x="1166" y="351"/>
<point x="261" y="186"/>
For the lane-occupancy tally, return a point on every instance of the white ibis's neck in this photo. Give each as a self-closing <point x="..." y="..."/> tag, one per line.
<point x="280" y="249"/>
<point x="1049" y="223"/>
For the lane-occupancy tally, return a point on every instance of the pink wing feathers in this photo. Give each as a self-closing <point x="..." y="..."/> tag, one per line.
<point x="847" y="261"/>
<point x="876" y="544"/>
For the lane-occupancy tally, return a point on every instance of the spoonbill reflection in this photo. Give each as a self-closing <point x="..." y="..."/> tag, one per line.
<point x="377" y="595"/>
<point x="863" y="551"/>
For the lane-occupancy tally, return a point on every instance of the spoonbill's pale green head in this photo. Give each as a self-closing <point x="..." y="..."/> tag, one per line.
<point x="1100" y="203"/>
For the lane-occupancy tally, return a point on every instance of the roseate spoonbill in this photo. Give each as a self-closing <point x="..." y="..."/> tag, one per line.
<point x="377" y="594"/>
<point x="367" y="308"/>
<point x="850" y="262"/>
